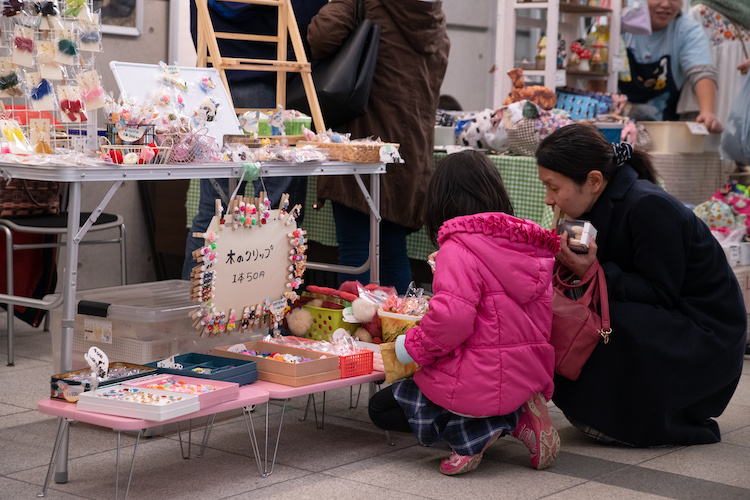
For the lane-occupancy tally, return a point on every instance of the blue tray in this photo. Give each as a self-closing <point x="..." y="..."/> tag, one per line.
<point x="225" y="369"/>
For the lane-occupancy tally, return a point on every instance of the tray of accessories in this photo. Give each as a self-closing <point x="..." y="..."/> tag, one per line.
<point x="68" y="386"/>
<point x="209" y="392"/>
<point x="240" y="371"/>
<point x="135" y="402"/>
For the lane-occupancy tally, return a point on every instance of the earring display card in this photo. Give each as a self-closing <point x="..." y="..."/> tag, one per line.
<point x="134" y="402"/>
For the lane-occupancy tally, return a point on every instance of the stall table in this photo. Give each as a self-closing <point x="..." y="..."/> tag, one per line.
<point x="249" y="395"/>
<point x="76" y="175"/>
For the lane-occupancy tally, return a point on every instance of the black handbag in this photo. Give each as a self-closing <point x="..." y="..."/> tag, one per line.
<point x="343" y="80"/>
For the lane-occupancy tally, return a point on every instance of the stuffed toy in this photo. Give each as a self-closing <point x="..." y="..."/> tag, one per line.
<point x="543" y="96"/>
<point x="299" y="319"/>
<point x="481" y="131"/>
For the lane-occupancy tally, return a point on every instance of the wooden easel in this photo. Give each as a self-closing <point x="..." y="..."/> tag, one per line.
<point x="208" y="52"/>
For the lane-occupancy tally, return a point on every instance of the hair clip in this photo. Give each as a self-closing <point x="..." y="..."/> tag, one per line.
<point x="74" y="110"/>
<point x="91" y="36"/>
<point x="623" y="153"/>
<point x="92" y="94"/>
<point x="207" y="85"/>
<point x="8" y="81"/>
<point x="46" y="8"/>
<point x="41" y="91"/>
<point x="67" y="46"/>
<point x="13" y="7"/>
<point x="74" y="7"/>
<point x="23" y="44"/>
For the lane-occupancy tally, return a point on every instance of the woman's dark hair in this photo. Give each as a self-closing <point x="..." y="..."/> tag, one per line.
<point x="575" y="150"/>
<point x="463" y="183"/>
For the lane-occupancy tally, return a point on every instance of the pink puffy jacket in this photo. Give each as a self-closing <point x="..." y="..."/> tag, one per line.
<point x="483" y="345"/>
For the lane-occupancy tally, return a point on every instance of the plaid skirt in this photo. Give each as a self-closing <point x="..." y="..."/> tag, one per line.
<point x="432" y="423"/>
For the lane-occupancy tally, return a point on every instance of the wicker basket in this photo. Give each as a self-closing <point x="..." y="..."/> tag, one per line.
<point x="351" y="152"/>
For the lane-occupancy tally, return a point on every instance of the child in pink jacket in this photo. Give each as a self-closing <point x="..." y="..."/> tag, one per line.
<point x="486" y="364"/>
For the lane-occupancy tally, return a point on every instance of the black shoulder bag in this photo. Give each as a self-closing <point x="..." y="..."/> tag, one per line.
<point x="343" y="80"/>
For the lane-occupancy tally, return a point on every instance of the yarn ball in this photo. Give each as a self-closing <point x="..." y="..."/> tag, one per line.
<point x="299" y="320"/>
<point x="362" y="335"/>
<point x="130" y="159"/>
<point x="364" y="310"/>
<point x="115" y="155"/>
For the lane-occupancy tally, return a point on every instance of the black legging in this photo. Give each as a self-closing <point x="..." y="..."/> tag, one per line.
<point x="386" y="413"/>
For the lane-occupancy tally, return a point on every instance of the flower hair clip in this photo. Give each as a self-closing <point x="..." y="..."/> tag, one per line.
<point x="89" y="37"/>
<point x="74" y="7"/>
<point x="23" y="44"/>
<point x="41" y="91"/>
<point x="46" y="9"/>
<point x="67" y="46"/>
<point x="207" y="85"/>
<point x="9" y="84"/>
<point x="12" y="7"/>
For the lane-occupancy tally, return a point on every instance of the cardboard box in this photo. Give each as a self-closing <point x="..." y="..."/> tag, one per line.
<point x="674" y="137"/>
<point x="320" y="368"/>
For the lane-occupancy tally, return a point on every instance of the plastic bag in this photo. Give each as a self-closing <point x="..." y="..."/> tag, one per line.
<point x="636" y="18"/>
<point x="395" y="369"/>
<point x="735" y="141"/>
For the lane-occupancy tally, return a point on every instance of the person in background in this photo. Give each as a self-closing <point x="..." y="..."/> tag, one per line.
<point x="675" y="54"/>
<point x="483" y="347"/>
<point x="249" y="89"/>
<point x="678" y="318"/>
<point x="411" y="63"/>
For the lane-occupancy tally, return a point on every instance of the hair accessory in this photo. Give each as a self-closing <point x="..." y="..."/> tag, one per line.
<point x="91" y="36"/>
<point x="623" y="152"/>
<point x="41" y="91"/>
<point x="12" y="8"/>
<point x="74" y="7"/>
<point x="207" y="85"/>
<point x="46" y="8"/>
<point x="8" y="81"/>
<point x="67" y="46"/>
<point x="73" y="110"/>
<point x="92" y="94"/>
<point x="23" y="44"/>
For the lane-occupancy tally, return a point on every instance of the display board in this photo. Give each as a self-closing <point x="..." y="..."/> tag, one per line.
<point x="140" y="81"/>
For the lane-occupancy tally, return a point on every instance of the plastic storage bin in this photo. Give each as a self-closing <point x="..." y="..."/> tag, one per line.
<point x="325" y="321"/>
<point x="135" y="324"/>
<point x="612" y="131"/>
<point x="674" y="137"/>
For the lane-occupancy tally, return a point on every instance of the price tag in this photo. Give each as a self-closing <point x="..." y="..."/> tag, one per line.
<point x="618" y="63"/>
<point x="172" y="70"/>
<point x="390" y="154"/>
<point x="71" y="392"/>
<point x="560" y="78"/>
<point x="130" y="134"/>
<point x="98" y="361"/>
<point x="169" y="363"/>
<point x="97" y="329"/>
<point x="697" y="128"/>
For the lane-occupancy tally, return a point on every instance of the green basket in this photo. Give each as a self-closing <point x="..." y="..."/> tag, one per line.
<point x="326" y="321"/>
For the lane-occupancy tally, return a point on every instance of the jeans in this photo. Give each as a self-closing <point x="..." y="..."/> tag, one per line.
<point x="274" y="186"/>
<point x="353" y="236"/>
<point x="244" y="95"/>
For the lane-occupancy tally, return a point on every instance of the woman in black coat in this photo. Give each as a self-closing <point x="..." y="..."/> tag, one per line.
<point x="677" y="313"/>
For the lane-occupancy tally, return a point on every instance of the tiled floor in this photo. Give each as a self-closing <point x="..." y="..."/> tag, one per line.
<point x="349" y="458"/>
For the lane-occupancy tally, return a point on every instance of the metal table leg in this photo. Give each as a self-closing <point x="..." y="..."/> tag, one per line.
<point x="62" y="428"/>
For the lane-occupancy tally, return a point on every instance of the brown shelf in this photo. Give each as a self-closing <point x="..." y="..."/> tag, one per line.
<point x="586" y="73"/>
<point x="575" y="8"/>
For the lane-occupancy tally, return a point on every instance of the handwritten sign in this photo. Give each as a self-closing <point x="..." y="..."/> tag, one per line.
<point x="248" y="271"/>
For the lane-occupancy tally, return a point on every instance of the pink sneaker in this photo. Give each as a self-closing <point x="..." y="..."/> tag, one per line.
<point x="537" y="432"/>
<point x="461" y="464"/>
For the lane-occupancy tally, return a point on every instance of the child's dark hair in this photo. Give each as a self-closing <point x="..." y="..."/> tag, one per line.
<point x="575" y="150"/>
<point x="464" y="183"/>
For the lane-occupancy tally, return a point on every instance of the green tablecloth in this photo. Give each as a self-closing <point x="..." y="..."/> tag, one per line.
<point x="519" y="174"/>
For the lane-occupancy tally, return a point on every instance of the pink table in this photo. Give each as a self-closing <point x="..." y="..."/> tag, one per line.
<point x="286" y="392"/>
<point x="250" y="395"/>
